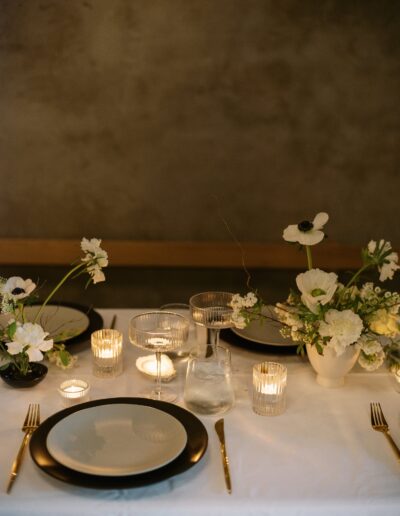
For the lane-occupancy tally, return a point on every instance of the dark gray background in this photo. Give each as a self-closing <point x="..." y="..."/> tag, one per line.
<point x="137" y="119"/>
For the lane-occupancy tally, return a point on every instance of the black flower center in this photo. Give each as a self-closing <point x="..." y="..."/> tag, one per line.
<point x="17" y="290"/>
<point x="305" y="226"/>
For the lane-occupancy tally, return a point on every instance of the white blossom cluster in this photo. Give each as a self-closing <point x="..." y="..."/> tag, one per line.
<point x="241" y="306"/>
<point x="327" y="313"/>
<point x="21" y="341"/>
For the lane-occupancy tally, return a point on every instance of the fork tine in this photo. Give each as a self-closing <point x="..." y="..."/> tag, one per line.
<point x="372" y="414"/>
<point x="381" y="414"/>
<point x="28" y="415"/>
<point x="378" y="420"/>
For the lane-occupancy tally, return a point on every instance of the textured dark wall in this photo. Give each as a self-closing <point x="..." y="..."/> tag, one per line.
<point x="125" y="118"/>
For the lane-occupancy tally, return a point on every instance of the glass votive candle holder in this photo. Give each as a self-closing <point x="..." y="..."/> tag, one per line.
<point x="269" y="388"/>
<point x="74" y="391"/>
<point x="107" y="353"/>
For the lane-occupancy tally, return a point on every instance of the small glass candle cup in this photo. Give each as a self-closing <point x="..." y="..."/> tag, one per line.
<point x="269" y="388"/>
<point x="107" y="353"/>
<point x="74" y="391"/>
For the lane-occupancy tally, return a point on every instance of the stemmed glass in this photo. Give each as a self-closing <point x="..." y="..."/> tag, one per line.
<point x="212" y="310"/>
<point x="159" y="331"/>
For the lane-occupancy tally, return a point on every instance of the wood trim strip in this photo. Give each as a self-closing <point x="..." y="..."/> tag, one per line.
<point x="328" y="255"/>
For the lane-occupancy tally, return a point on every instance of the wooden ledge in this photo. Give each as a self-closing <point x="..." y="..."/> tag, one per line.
<point x="327" y="255"/>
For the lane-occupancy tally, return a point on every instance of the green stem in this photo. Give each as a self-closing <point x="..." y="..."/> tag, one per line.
<point x="63" y="280"/>
<point x="309" y="257"/>
<point x="357" y="274"/>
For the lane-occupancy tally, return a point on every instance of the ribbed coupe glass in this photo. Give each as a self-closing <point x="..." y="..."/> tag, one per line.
<point x="159" y="332"/>
<point x="212" y="310"/>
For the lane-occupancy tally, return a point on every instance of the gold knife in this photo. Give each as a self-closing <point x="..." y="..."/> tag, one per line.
<point x="219" y="428"/>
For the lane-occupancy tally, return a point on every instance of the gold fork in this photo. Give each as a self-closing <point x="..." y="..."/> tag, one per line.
<point x="379" y="424"/>
<point x="31" y="422"/>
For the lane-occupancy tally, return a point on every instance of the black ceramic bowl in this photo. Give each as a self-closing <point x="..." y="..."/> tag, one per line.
<point x="14" y="378"/>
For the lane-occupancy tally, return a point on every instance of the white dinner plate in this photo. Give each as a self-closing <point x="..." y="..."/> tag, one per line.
<point x="265" y="331"/>
<point x="64" y="322"/>
<point x="116" y="440"/>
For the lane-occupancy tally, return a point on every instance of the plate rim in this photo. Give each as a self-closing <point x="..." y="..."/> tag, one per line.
<point x="95" y="323"/>
<point x="196" y="446"/>
<point x="287" y="343"/>
<point x="181" y="446"/>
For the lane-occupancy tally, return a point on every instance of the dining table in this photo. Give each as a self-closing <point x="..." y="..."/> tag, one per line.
<point x="320" y="457"/>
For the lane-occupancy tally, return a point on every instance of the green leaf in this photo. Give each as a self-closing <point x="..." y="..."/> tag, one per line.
<point x="64" y="357"/>
<point x="11" y="329"/>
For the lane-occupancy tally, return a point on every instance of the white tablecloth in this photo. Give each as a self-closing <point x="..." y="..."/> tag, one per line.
<point x="320" y="457"/>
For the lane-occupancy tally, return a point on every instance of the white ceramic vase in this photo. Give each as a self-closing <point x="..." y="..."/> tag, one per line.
<point x="330" y="368"/>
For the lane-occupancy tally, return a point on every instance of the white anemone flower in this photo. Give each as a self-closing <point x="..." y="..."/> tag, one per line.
<point x="17" y="288"/>
<point x="317" y="288"/>
<point x="306" y="232"/>
<point x="344" y="328"/>
<point x="31" y="338"/>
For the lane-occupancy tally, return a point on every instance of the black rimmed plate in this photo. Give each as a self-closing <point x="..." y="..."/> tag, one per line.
<point x="193" y="451"/>
<point x="75" y="321"/>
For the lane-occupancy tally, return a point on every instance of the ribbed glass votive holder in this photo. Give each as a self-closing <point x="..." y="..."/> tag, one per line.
<point x="269" y="388"/>
<point x="107" y="353"/>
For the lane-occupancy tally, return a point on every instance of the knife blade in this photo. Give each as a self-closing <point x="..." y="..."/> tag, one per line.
<point x="219" y="428"/>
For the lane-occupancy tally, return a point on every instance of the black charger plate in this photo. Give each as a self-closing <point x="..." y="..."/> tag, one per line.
<point x="197" y="440"/>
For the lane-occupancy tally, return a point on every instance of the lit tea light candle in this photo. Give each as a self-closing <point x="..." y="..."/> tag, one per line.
<point x="148" y="365"/>
<point x="74" y="391"/>
<point x="271" y="389"/>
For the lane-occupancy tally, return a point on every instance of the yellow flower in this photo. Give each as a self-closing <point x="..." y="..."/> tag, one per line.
<point x="385" y="323"/>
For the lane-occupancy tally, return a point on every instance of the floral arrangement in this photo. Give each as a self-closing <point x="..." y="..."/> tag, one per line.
<point x="326" y="313"/>
<point x="23" y="342"/>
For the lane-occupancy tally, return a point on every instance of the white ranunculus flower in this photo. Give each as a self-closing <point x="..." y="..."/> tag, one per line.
<point x="383" y="322"/>
<point x="32" y="338"/>
<point x="306" y="232"/>
<point x="372" y="354"/>
<point x="317" y="287"/>
<point x="17" y="288"/>
<point x="344" y="328"/>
